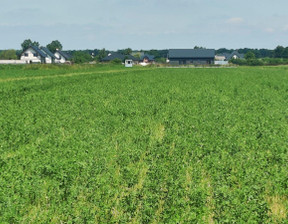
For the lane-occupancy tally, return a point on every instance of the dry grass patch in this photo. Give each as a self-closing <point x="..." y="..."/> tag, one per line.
<point x="278" y="209"/>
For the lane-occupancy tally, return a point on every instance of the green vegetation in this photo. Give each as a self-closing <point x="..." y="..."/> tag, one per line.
<point x="54" y="45"/>
<point x="99" y="144"/>
<point x="8" y="55"/>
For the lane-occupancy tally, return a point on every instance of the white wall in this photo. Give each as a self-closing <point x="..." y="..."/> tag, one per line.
<point x="59" y="58"/>
<point x="10" y="62"/>
<point x="221" y="62"/>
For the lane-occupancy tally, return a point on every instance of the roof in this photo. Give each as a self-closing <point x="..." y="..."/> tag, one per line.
<point x="37" y="50"/>
<point x="241" y="56"/>
<point x="48" y="52"/>
<point x="113" y="56"/>
<point x="150" y="57"/>
<point x="191" y="53"/>
<point x="64" y="54"/>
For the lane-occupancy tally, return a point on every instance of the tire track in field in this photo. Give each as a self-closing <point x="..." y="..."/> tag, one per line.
<point x="66" y="75"/>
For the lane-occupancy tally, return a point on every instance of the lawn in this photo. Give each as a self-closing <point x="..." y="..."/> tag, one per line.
<point x="108" y="144"/>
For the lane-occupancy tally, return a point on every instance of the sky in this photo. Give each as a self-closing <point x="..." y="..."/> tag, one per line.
<point x="145" y="24"/>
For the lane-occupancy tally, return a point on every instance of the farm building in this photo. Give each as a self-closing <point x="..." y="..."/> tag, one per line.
<point x="191" y="56"/>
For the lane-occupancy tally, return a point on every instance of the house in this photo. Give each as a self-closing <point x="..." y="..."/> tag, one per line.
<point x="33" y="55"/>
<point x="235" y="55"/>
<point x="191" y="56"/>
<point x="62" y="57"/>
<point x="146" y="58"/>
<point x="50" y="57"/>
<point x="229" y="56"/>
<point x="113" y="56"/>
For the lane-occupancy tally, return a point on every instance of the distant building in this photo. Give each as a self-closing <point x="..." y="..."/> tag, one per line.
<point x="62" y="57"/>
<point x="146" y="58"/>
<point x="50" y="57"/>
<point x="33" y="54"/>
<point x="43" y="55"/>
<point x="229" y="56"/>
<point x="113" y="56"/>
<point x="191" y="56"/>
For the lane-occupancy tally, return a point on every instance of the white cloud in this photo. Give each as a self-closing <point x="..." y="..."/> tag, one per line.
<point x="235" y="20"/>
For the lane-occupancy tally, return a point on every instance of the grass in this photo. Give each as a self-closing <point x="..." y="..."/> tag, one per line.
<point x="99" y="144"/>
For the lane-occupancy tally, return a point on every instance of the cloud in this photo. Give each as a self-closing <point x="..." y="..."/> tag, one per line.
<point x="235" y="20"/>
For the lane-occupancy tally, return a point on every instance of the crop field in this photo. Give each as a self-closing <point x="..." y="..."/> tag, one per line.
<point x="108" y="144"/>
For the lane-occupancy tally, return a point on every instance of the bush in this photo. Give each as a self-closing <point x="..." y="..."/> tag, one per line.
<point x="116" y="61"/>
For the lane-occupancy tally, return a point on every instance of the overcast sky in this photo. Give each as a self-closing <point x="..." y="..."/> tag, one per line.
<point x="145" y="24"/>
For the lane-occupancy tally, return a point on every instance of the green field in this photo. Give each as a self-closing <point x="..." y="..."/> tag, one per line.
<point x="107" y="144"/>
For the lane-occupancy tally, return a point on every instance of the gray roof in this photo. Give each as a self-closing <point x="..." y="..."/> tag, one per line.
<point x="191" y="53"/>
<point x="241" y="56"/>
<point x="48" y="52"/>
<point x="119" y="56"/>
<point x="37" y="50"/>
<point x="150" y="57"/>
<point x="64" y="54"/>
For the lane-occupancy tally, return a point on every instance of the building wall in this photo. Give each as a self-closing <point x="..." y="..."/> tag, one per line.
<point x="191" y="61"/>
<point x="59" y="58"/>
<point x="12" y="62"/>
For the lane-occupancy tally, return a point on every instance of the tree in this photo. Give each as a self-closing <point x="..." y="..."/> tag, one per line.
<point x="285" y="53"/>
<point x="127" y="51"/>
<point x="102" y="54"/>
<point x="8" y="55"/>
<point x="27" y="43"/>
<point x="279" y="50"/>
<point x="54" y="45"/>
<point x="81" y="57"/>
<point x="249" y="55"/>
<point x="198" y="47"/>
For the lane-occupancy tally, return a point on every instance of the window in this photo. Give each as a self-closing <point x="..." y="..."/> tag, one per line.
<point x="25" y="54"/>
<point x="35" y="54"/>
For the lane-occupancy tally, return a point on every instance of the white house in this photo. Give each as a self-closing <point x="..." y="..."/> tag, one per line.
<point x="33" y="55"/>
<point x="50" y="57"/>
<point x="62" y="57"/>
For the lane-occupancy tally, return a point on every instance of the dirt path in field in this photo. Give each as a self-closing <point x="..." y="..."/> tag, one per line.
<point x="65" y="75"/>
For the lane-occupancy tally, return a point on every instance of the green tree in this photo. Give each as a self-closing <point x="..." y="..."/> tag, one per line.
<point x="249" y="55"/>
<point x="102" y="54"/>
<point x="8" y="55"/>
<point x="285" y="53"/>
<point x="199" y="47"/>
<point x="54" y="45"/>
<point x="279" y="51"/>
<point x="27" y="43"/>
<point x="80" y="57"/>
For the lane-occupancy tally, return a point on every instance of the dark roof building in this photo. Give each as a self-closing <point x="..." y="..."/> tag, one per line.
<point x="37" y="50"/>
<point x="229" y="56"/>
<point x="64" y="54"/>
<point x="191" y="56"/>
<point x="122" y="57"/>
<point x="147" y="58"/>
<point x="235" y="55"/>
<point x="49" y="53"/>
